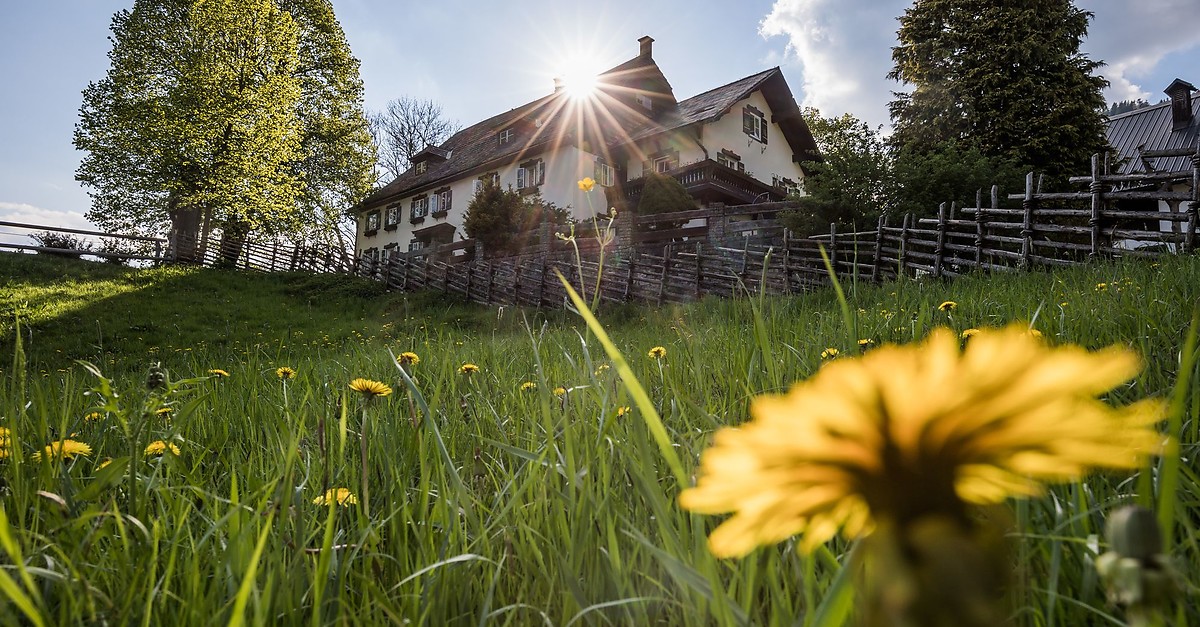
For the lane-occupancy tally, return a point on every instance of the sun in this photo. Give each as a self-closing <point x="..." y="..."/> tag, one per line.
<point x="580" y="76"/>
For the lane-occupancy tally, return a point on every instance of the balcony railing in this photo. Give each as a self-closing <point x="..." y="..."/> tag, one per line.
<point x="710" y="178"/>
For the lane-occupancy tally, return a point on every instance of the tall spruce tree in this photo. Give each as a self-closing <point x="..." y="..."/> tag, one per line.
<point x="235" y="114"/>
<point x="1004" y="77"/>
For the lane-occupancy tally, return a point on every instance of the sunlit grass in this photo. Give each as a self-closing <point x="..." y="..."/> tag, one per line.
<point x="502" y="505"/>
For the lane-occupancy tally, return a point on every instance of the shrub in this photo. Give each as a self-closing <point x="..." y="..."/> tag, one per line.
<point x="65" y="241"/>
<point x="663" y="194"/>
<point x="504" y="219"/>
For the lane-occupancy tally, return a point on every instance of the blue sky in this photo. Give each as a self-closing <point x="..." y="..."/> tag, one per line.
<point x="481" y="58"/>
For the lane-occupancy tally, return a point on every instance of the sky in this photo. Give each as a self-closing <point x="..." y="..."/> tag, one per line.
<point x="481" y="58"/>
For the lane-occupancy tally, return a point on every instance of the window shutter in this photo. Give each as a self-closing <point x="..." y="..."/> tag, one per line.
<point x="446" y="200"/>
<point x="647" y="167"/>
<point x="539" y="176"/>
<point x="596" y="170"/>
<point x="763" y="122"/>
<point x="748" y="120"/>
<point x="433" y="203"/>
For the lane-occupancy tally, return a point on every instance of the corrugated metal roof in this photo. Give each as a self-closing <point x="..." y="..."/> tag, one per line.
<point x="1149" y="129"/>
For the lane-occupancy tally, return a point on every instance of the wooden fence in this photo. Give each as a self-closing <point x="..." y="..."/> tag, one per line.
<point x="730" y="251"/>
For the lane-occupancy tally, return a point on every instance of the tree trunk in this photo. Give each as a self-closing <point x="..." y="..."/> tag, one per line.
<point x="183" y="239"/>
<point x="233" y="242"/>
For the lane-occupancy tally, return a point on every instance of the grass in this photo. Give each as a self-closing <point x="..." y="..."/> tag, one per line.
<point x="503" y="506"/>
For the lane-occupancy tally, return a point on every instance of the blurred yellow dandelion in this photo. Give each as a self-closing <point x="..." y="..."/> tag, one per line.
<point x="93" y="416"/>
<point x="865" y="342"/>
<point x="217" y="372"/>
<point x="369" y="388"/>
<point x="341" y="496"/>
<point x="560" y="391"/>
<point x="528" y="386"/>
<point x="906" y="432"/>
<point x="829" y="353"/>
<point x="948" y="306"/>
<point x="64" y="449"/>
<point x="105" y="462"/>
<point x="968" y="334"/>
<point x="657" y="352"/>
<point x="285" y="373"/>
<point x="601" y="369"/>
<point x="408" y="358"/>
<point x="623" y="410"/>
<point x="159" y="447"/>
<point x="468" y="369"/>
<point x="1034" y="333"/>
<point x="162" y="411"/>
<point x="586" y="184"/>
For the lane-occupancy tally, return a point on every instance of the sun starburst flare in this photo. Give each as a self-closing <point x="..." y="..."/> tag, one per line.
<point x="907" y="432"/>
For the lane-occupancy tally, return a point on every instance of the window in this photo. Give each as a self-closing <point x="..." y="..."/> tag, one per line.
<point x="506" y="136"/>
<point x="372" y="223"/>
<point x="391" y="217"/>
<point x="420" y="207"/>
<point x="414" y="245"/>
<point x="754" y="123"/>
<point x="604" y="174"/>
<point x="644" y="100"/>
<point x="664" y="164"/>
<point x="443" y="205"/>
<point x="531" y="174"/>
<point x="421" y="166"/>
<point x="731" y="160"/>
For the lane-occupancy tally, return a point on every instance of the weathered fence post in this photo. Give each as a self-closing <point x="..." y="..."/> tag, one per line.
<point x="902" y="256"/>
<point x="939" y="251"/>
<point x="1097" y="190"/>
<point x="404" y="274"/>
<point x="699" y="273"/>
<point x="833" y="251"/>
<point x="274" y="253"/>
<point x="878" y="248"/>
<point x="629" y="281"/>
<point x="717" y="224"/>
<point x="490" y="283"/>
<point x="787" y="261"/>
<point x="1027" y="224"/>
<point x="1189" y="240"/>
<point x="979" y="218"/>
<point x="666" y="272"/>
<point x="541" y="291"/>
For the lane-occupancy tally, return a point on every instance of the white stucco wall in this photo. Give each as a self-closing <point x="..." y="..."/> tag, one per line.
<point x="762" y="161"/>
<point x="564" y="168"/>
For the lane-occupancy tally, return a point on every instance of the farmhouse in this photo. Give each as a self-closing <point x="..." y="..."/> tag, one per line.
<point x="1158" y="143"/>
<point x="739" y="143"/>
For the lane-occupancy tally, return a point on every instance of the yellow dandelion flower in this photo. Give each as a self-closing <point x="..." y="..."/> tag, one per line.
<point x="369" y="388"/>
<point x="217" y="372"/>
<point x="657" y="352"/>
<point x="968" y="334"/>
<point x="105" y="462"/>
<point x="1100" y="287"/>
<point x="159" y="447"/>
<point x="468" y="369"/>
<point x="5" y="442"/>
<point x="408" y="358"/>
<point x="623" y="410"/>
<point x="560" y="391"/>
<point x="93" y="416"/>
<point x="601" y="369"/>
<point x="948" y="306"/>
<point x="866" y="342"/>
<point x="829" y="353"/>
<point x="341" y="496"/>
<point x="285" y="373"/>
<point x="163" y="411"/>
<point x="907" y="432"/>
<point x="528" y="386"/>
<point x="1034" y="333"/>
<point x="586" y="184"/>
<point x="64" y="449"/>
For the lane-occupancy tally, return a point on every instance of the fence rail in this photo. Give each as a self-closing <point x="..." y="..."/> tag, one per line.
<point x="727" y="251"/>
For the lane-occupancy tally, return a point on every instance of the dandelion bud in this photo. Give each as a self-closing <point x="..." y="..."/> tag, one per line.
<point x="156" y="378"/>
<point x="1136" y="573"/>
<point x="1133" y="532"/>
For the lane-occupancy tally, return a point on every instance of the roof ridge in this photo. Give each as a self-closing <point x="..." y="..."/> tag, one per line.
<point x="726" y="85"/>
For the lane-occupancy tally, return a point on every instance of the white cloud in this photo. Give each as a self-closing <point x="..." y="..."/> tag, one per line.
<point x="1134" y="37"/>
<point x="29" y="214"/>
<point x="844" y="51"/>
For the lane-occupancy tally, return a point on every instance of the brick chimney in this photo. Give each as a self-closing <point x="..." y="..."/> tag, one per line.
<point x="558" y="84"/>
<point x="1180" y="93"/>
<point x="647" y="48"/>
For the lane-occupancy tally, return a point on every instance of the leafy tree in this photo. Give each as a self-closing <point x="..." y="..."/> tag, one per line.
<point x="948" y="173"/>
<point x="852" y="184"/>
<point x="503" y="218"/>
<point x="216" y="112"/>
<point x="1005" y="77"/>
<point x="337" y="152"/>
<point x="405" y="128"/>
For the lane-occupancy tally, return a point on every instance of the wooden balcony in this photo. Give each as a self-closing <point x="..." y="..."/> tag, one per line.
<point x="710" y="182"/>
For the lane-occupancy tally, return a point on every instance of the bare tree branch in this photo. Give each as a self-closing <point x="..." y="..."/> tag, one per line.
<point x="405" y="128"/>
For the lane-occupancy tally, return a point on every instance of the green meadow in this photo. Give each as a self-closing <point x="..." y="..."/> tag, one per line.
<point x="489" y="501"/>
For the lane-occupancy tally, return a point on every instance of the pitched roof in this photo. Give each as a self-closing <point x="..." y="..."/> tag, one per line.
<point x="1150" y="129"/>
<point x="477" y="148"/>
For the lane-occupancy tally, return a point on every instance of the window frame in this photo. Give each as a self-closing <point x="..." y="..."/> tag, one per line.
<point x="665" y="159"/>
<point x="419" y="208"/>
<point x="604" y="174"/>
<point x="754" y="123"/>
<point x="371" y="226"/>
<point x="505" y="136"/>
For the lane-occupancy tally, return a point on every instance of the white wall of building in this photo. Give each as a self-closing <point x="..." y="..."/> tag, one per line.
<point x="762" y="160"/>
